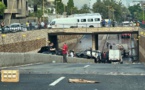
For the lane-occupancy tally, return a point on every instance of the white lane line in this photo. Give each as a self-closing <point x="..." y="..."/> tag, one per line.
<point x="86" y="66"/>
<point x="56" y="81"/>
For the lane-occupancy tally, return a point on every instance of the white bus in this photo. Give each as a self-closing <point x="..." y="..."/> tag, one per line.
<point x="89" y="21"/>
<point x="80" y="20"/>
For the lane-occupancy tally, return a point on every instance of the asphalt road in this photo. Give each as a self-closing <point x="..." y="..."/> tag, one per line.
<point x="107" y="82"/>
<point x="55" y="76"/>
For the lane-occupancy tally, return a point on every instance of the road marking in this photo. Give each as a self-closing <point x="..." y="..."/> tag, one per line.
<point x="86" y="66"/>
<point x="56" y="81"/>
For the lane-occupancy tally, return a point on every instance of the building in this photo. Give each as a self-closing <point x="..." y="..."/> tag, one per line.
<point x="15" y="9"/>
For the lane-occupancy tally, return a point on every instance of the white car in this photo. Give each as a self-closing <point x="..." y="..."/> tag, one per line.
<point x="15" y="27"/>
<point x="23" y="28"/>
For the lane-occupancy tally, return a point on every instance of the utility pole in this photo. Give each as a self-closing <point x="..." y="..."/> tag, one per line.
<point x="108" y="11"/>
<point x="43" y="10"/>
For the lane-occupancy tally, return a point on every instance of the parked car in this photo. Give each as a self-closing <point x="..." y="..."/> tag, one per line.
<point x="23" y="28"/>
<point x="81" y="54"/>
<point x="34" y="25"/>
<point x="7" y="29"/>
<point x="15" y="27"/>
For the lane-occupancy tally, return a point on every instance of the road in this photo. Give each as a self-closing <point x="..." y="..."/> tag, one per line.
<point x="86" y="43"/>
<point x="54" y="76"/>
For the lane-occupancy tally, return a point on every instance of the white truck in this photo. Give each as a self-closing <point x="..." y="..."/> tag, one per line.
<point x="115" y="56"/>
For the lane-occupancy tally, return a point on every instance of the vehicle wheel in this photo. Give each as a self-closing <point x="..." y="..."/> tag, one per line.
<point x="81" y="55"/>
<point x="91" y="26"/>
<point x="121" y="62"/>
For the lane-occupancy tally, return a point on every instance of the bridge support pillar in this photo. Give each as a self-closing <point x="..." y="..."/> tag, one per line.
<point x="53" y="39"/>
<point x="95" y="42"/>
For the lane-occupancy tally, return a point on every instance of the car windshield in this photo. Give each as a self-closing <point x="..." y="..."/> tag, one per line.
<point x="15" y="25"/>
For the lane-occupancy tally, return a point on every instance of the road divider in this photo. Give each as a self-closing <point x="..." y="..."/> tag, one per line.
<point x="16" y="59"/>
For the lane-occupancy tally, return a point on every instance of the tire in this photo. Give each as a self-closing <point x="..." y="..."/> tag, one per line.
<point x="91" y="26"/>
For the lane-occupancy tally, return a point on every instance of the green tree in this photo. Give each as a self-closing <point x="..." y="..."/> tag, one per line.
<point x="136" y="11"/>
<point x="2" y="8"/>
<point x="59" y="6"/>
<point x="70" y="6"/>
<point x="84" y="9"/>
<point x="108" y="9"/>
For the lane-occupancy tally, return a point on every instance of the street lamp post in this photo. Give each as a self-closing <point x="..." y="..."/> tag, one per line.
<point x="143" y="12"/>
<point x="113" y="13"/>
<point x="108" y="12"/>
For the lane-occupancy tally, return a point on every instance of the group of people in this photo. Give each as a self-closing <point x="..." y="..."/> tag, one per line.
<point x="2" y="26"/>
<point x="30" y="26"/>
<point x="109" y="23"/>
<point x="108" y="45"/>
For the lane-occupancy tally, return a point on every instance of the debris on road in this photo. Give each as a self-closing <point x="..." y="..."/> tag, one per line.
<point x="81" y="81"/>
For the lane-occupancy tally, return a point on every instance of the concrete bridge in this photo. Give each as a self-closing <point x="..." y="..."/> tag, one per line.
<point x="94" y="32"/>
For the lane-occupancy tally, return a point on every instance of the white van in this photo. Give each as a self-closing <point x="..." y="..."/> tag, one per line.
<point x="63" y="23"/>
<point x="80" y="20"/>
<point x="115" y="55"/>
<point x="127" y="23"/>
<point x="89" y="21"/>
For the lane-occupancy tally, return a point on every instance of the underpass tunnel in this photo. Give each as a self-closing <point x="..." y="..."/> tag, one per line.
<point x="54" y="39"/>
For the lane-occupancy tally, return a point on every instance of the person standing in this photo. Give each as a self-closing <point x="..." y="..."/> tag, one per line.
<point x="107" y="44"/>
<point x="110" y="46"/>
<point x="27" y="25"/>
<point x="52" y="49"/>
<point x="64" y="52"/>
<point x="2" y="26"/>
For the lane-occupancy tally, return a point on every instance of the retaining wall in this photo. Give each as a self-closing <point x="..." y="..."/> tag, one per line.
<point x="30" y="40"/>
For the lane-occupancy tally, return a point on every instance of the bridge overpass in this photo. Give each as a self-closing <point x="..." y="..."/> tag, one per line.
<point x="92" y="31"/>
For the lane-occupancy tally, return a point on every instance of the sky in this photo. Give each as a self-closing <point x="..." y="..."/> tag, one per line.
<point x="80" y="3"/>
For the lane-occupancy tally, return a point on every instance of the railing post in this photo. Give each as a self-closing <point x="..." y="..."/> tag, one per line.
<point x="86" y="27"/>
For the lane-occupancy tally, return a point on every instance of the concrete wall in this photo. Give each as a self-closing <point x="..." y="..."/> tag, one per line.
<point x="31" y="40"/>
<point x="15" y="59"/>
<point x="142" y="45"/>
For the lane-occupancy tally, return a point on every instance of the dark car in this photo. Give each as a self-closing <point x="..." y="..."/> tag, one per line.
<point x="82" y="54"/>
<point x="46" y="50"/>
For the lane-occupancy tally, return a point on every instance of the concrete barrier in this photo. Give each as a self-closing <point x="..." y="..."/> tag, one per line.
<point x="15" y="59"/>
